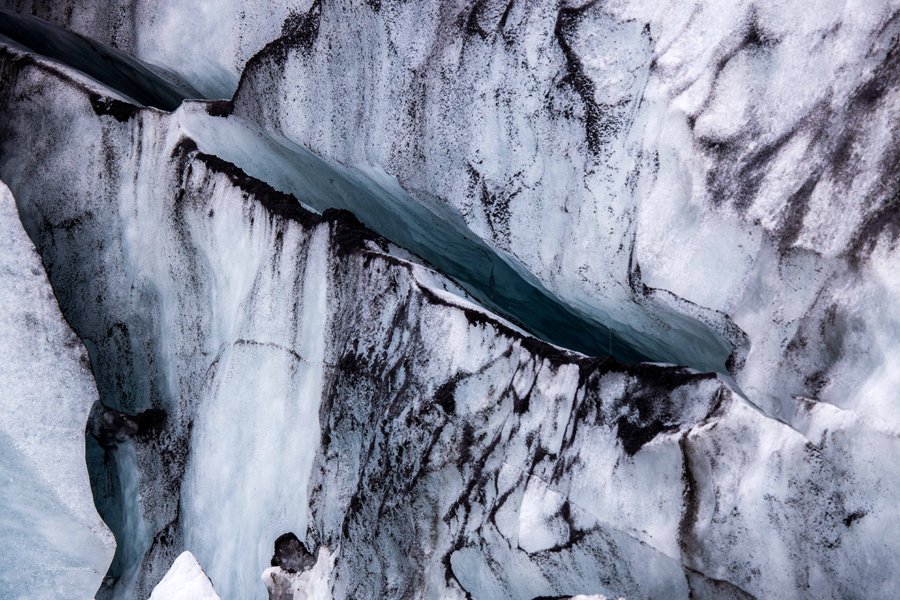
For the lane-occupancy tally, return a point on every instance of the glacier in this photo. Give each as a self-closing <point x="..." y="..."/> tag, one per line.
<point x="317" y="307"/>
<point x="684" y="143"/>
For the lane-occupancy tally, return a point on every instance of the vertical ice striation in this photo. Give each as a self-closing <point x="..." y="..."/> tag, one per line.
<point x="134" y="532"/>
<point x="54" y="544"/>
<point x="217" y="326"/>
<point x="256" y="432"/>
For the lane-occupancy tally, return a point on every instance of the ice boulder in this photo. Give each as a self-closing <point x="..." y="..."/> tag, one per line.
<point x="311" y="582"/>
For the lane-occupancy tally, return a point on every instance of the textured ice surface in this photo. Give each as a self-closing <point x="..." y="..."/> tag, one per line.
<point x="625" y="152"/>
<point x="748" y="144"/>
<point x="315" y="382"/>
<point x="434" y="233"/>
<point x="185" y="580"/>
<point x="442" y="238"/>
<point x="696" y="147"/>
<point x="225" y="358"/>
<point x="54" y="544"/>
<point x="741" y="156"/>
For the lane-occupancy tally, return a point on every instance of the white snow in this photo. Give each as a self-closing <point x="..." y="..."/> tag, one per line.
<point x="185" y="580"/>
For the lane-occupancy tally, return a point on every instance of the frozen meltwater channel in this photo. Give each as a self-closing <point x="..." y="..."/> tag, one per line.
<point x="431" y="231"/>
<point x="113" y="68"/>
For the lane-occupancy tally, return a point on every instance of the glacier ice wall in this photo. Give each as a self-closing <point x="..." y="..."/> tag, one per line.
<point x="735" y="156"/>
<point x="661" y="145"/>
<point x="435" y="234"/>
<point x="317" y="379"/>
<point x="54" y="543"/>
<point x="650" y="147"/>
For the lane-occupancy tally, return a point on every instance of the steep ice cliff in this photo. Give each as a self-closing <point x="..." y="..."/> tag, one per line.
<point x="697" y="173"/>
<point x="309" y="376"/>
<point x="430" y="231"/>
<point x="54" y="544"/>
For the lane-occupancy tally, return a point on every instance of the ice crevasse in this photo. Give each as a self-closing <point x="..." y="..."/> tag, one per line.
<point x="314" y="377"/>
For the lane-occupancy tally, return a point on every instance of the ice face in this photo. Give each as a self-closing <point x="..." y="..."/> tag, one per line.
<point x="435" y="446"/>
<point x="271" y="325"/>
<point x="621" y="153"/>
<point x="443" y="240"/>
<point x="434" y="233"/>
<point x="54" y="543"/>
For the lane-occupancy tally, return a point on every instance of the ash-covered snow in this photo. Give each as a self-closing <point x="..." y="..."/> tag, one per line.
<point x="54" y="544"/>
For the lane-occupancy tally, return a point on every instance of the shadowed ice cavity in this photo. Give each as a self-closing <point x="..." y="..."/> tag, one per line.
<point x="123" y="73"/>
<point x="433" y="232"/>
